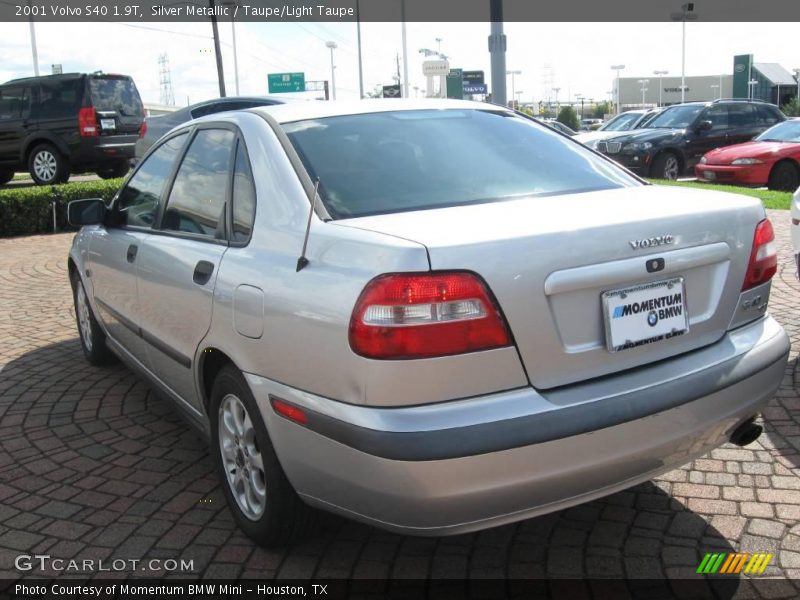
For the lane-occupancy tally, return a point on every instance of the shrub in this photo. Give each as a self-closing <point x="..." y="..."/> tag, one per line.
<point x="569" y="117"/>
<point x="26" y="211"/>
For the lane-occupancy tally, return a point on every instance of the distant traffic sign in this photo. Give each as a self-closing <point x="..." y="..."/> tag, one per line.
<point x="474" y="88"/>
<point x="286" y="82"/>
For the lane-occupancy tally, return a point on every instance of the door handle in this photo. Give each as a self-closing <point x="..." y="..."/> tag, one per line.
<point x="202" y="272"/>
<point x="132" y="250"/>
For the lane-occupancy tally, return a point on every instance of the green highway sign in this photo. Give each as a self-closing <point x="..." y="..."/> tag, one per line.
<point x="286" y="82"/>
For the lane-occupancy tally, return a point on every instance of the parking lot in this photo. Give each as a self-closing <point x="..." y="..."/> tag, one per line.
<point x="93" y="465"/>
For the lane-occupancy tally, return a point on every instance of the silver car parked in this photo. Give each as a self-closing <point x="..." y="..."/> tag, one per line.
<point x="433" y="316"/>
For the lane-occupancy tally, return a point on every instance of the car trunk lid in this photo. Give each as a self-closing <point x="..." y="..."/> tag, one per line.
<point x="117" y="104"/>
<point x="550" y="260"/>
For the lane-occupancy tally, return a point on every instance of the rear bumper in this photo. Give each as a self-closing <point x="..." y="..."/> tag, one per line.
<point x="464" y="465"/>
<point x="103" y="149"/>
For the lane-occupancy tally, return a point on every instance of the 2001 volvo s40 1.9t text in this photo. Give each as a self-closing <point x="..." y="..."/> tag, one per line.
<point x="433" y="316"/>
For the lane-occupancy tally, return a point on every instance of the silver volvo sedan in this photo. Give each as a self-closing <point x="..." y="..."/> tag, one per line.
<point x="433" y="316"/>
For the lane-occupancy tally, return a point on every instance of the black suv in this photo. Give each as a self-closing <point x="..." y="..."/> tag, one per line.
<point x="60" y="124"/>
<point x="675" y="140"/>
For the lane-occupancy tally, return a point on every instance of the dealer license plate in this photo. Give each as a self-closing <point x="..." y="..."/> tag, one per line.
<point x="644" y="314"/>
<point x="107" y="124"/>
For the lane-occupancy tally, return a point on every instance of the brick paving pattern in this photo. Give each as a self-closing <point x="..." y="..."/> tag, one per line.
<point x="93" y="465"/>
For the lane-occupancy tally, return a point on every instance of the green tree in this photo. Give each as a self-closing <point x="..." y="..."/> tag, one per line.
<point x="601" y="110"/>
<point x="792" y="108"/>
<point x="569" y="117"/>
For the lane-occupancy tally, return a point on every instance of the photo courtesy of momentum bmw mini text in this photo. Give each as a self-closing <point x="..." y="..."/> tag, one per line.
<point x="399" y="299"/>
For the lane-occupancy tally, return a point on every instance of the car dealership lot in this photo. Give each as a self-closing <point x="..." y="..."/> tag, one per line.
<point x="93" y="465"/>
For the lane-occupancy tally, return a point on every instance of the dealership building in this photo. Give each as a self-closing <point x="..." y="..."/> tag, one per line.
<point x="764" y="81"/>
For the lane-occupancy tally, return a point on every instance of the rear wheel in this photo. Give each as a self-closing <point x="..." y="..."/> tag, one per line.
<point x="263" y="502"/>
<point x="93" y="339"/>
<point x="47" y="166"/>
<point x="117" y="169"/>
<point x="6" y="175"/>
<point x="666" y="166"/>
<point x="784" y="177"/>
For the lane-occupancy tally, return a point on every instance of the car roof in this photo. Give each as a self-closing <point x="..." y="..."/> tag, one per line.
<point x="300" y="111"/>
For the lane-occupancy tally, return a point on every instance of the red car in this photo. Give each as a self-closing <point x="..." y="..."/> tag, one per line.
<point x="771" y="159"/>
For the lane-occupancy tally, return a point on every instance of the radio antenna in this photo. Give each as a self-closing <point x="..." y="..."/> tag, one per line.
<point x="302" y="262"/>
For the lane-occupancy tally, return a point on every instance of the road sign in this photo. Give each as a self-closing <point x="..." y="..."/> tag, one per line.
<point x="391" y="91"/>
<point x="474" y="88"/>
<point x="286" y="82"/>
<point x="455" y="84"/>
<point x="473" y="78"/>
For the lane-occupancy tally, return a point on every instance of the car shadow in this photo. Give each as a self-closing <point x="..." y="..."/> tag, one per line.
<point x="97" y="449"/>
<point x="781" y="419"/>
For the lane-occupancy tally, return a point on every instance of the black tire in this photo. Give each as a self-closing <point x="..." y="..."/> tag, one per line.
<point x="284" y="518"/>
<point x="47" y="165"/>
<point x="666" y="166"/>
<point x="91" y="335"/>
<point x="6" y="175"/>
<point x="114" y="170"/>
<point x="784" y="177"/>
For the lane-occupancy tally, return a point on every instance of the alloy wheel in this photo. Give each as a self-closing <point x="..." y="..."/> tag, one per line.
<point x="241" y="457"/>
<point x="84" y="317"/>
<point x="45" y="165"/>
<point x="671" y="168"/>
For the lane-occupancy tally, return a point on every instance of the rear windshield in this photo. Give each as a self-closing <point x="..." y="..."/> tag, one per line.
<point x="116" y="93"/>
<point x="397" y="161"/>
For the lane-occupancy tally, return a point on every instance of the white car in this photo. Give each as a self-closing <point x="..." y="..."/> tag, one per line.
<point x="632" y="119"/>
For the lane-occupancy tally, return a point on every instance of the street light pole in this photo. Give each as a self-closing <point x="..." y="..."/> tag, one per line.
<point x="617" y="68"/>
<point x="687" y="14"/>
<point x="512" y="73"/>
<point x="235" y="58"/>
<point x="644" y="83"/>
<point x="497" y="52"/>
<point x="660" y="86"/>
<point x="715" y="86"/>
<point x="405" y="48"/>
<point x="332" y="46"/>
<point x="217" y="50"/>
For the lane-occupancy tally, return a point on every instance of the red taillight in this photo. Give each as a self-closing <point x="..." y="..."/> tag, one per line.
<point x="763" y="257"/>
<point x="143" y="129"/>
<point x="422" y="315"/>
<point x="87" y="122"/>
<point x="289" y="411"/>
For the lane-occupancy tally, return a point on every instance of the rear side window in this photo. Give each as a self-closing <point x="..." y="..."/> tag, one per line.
<point x="768" y="116"/>
<point x="244" y="197"/>
<point x="14" y="102"/>
<point x="59" y="99"/>
<point x="742" y="115"/>
<point x="138" y="202"/>
<point x="116" y="93"/>
<point x="197" y="201"/>
<point x="410" y="160"/>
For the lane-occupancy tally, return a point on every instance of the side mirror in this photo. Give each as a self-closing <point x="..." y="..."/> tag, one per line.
<point x="86" y="212"/>
<point x="704" y="126"/>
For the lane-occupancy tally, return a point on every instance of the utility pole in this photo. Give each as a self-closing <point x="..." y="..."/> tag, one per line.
<point x="34" y="51"/>
<point x="217" y="51"/>
<point x="497" y="51"/>
<point x="360" y="65"/>
<point x="405" y="48"/>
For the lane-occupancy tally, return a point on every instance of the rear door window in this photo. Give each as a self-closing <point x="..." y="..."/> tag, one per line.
<point x="244" y="196"/>
<point x="767" y="116"/>
<point x="116" y="93"/>
<point x="138" y="202"/>
<point x="59" y="99"/>
<point x="197" y="201"/>
<point x="741" y="116"/>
